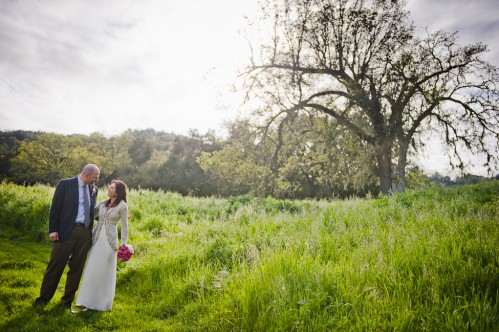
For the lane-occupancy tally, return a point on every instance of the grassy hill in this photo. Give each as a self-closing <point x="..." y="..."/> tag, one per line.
<point x="422" y="260"/>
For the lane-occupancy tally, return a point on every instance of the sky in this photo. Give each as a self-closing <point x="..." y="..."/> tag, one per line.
<point x="85" y="66"/>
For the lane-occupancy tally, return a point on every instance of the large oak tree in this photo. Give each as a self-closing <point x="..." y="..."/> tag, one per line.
<point x="361" y="63"/>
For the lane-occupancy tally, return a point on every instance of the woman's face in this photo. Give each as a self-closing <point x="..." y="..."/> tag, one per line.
<point x="111" y="190"/>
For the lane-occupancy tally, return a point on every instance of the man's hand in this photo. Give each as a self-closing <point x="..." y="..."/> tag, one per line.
<point x="54" y="236"/>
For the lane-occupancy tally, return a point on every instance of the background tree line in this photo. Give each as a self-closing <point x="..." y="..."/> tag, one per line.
<point x="326" y="162"/>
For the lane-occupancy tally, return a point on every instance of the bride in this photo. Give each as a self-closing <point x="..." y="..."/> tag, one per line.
<point x="99" y="276"/>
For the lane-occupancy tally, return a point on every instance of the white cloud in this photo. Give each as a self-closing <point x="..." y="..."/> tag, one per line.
<point x="143" y="64"/>
<point x="475" y="21"/>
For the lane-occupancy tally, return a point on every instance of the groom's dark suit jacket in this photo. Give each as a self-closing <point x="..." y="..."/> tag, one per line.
<point x="64" y="208"/>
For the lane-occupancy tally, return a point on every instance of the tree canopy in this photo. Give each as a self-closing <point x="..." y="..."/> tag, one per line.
<point x="362" y="64"/>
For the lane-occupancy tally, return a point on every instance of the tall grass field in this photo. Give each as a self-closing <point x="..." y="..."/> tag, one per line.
<point x="425" y="260"/>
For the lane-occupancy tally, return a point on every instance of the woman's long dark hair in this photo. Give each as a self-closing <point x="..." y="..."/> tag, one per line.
<point x="120" y="193"/>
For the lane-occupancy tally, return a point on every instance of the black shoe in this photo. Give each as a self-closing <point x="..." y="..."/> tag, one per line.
<point x="66" y="305"/>
<point x="40" y="302"/>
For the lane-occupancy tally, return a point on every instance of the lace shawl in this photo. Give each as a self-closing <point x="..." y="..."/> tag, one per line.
<point x="110" y="218"/>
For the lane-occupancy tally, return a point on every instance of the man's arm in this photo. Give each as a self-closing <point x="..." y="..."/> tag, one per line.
<point x="55" y="211"/>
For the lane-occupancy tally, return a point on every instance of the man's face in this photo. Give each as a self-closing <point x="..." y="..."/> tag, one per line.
<point x="91" y="178"/>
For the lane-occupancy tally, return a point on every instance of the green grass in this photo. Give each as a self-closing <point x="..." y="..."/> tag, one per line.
<point x="425" y="260"/>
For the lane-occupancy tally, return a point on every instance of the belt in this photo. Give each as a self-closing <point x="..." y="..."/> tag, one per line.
<point x="78" y="224"/>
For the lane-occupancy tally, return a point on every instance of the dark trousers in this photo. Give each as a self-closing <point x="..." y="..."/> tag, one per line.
<point x="72" y="252"/>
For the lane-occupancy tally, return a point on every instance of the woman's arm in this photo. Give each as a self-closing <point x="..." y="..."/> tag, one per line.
<point x="124" y="223"/>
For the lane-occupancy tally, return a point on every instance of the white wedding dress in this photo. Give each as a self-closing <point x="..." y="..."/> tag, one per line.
<point x="98" y="284"/>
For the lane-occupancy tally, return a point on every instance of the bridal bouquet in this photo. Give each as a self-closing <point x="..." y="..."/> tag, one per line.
<point x="125" y="253"/>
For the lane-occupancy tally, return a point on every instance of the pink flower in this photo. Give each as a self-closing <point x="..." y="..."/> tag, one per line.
<point x="94" y="190"/>
<point x="125" y="253"/>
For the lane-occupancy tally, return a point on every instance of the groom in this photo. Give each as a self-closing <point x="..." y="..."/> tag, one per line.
<point x="70" y="228"/>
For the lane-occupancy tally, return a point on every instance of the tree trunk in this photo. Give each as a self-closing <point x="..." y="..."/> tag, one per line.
<point x="384" y="159"/>
<point x="400" y="182"/>
<point x="399" y="174"/>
